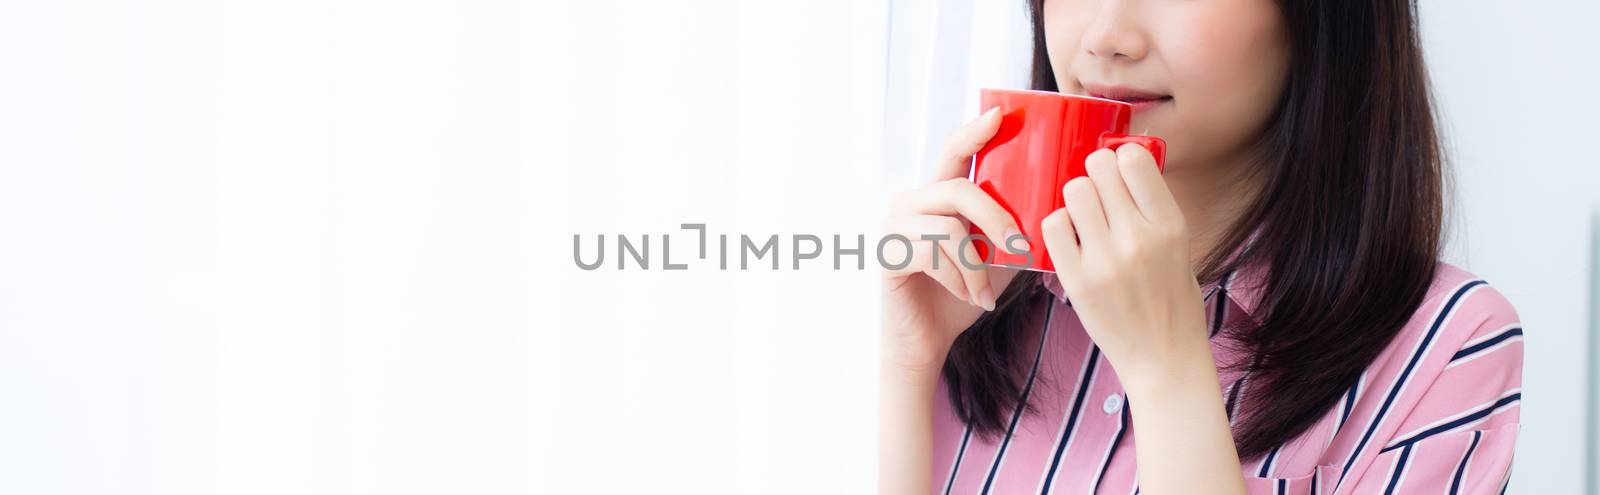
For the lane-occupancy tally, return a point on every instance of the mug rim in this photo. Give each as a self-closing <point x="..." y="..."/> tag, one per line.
<point x="1060" y="94"/>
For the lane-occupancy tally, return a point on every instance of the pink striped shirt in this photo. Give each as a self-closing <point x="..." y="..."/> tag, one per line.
<point x="1436" y="412"/>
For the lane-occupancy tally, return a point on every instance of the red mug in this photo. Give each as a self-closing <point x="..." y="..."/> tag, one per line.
<point x="1043" y="140"/>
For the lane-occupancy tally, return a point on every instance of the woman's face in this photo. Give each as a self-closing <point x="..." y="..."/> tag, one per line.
<point x="1203" y="74"/>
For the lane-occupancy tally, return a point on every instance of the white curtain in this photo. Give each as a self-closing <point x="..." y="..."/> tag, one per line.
<point x="940" y="53"/>
<point x="325" y="247"/>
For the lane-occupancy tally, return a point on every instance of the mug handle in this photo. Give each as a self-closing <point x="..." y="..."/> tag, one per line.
<point x="1157" y="146"/>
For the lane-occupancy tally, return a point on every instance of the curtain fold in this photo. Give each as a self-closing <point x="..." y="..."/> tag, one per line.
<point x="940" y="53"/>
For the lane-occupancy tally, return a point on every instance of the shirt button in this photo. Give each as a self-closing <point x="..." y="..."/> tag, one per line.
<point x="1113" y="404"/>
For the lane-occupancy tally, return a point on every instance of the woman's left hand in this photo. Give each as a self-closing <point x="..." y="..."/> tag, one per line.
<point x="1128" y="275"/>
<point x="1132" y="287"/>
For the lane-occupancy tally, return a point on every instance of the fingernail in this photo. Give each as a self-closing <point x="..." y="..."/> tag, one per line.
<point x="991" y="113"/>
<point x="986" y="298"/>
<point x="1011" y="233"/>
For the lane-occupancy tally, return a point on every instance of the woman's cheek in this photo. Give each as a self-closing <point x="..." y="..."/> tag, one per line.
<point x="1239" y="54"/>
<point x="1216" y="43"/>
<point x="1227" y="72"/>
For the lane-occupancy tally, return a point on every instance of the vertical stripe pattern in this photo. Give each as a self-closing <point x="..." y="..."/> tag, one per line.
<point x="1027" y="389"/>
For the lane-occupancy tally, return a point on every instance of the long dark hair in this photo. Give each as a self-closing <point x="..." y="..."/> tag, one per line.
<point x="1349" y="221"/>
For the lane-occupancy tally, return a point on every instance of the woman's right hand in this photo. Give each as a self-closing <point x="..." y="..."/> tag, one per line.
<point x="935" y="297"/>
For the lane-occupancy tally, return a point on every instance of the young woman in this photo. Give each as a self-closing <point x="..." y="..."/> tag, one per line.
<point x="1268" y="316"/>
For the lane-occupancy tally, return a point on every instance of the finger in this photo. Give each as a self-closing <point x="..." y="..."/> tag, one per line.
<point x="973" y="270"/>
<point x="1145" y="184"/>
<point x="1060" y="240"/>
<point x="947" y="274"/>
<point x="961" y="197"/>
<point x="1103" y="168"/>
<point x="962" y="256"/>
<point x="925" y="257"/>
<point x="1088" y="219"/>
<point x="956" y="158"/>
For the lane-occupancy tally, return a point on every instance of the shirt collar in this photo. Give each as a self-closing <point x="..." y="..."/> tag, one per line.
<point x="1243" y="286"/>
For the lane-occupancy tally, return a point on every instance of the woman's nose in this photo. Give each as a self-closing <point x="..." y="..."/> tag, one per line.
<point x="1114" y="30"/>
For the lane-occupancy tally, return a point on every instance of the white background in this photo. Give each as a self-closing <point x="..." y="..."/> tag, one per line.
<point x="326" y="246"/>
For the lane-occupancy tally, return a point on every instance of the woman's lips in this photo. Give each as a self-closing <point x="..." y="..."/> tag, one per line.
<point x="1140" y="105"/>
<point x="1140" y="99"/>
